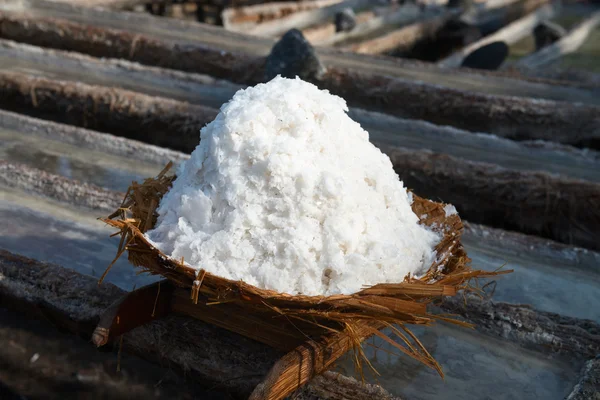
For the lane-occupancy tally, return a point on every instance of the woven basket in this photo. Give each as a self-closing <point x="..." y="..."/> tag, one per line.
<point x="285" y="321"/>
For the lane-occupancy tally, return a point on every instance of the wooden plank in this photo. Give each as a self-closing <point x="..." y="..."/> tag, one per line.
<point x="509" y="34"/>
<point x="567" y="44"/>
<point x="396" y="17"/>
<point x="37" y="361"/>
<point x="505" y="116"/>
<point x="518" y="118"/>
<point x="404" y="38"/>
<point x="182" y="343"/>
<point x="588" y="386"/>
<point x="79" y="194"/>
<point x="203" y="90"/>
<point x="304" y="19"/>
<point x="125" y="113"/>
<point x="26" y="280"/>
<point x="88" y="139"/>
<point x="238" y="19"/>
<point x="536" y="203"/>
<point x="116" y="4"/>
<point x="549" y="333"/>
<point x="556" y="207"/>
<point x="187" y="46"/>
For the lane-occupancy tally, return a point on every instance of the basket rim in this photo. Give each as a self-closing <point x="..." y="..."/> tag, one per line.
<point x="384" y="304"/>
<point x="438" y="280"/>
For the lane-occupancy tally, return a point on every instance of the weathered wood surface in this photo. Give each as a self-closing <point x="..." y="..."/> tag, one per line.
<point x="241" y="18"/>
<point x="588" y="386"/>
<point x="62" y="65"/>
<point x="211" y="356"/>
<point x="88" y="139"/>
<point x="404" y="38"/>
<point x="394" y="17"/>
<point x="549" y="333"/>
<point x="567" y="44"/>
<point x="117" y="4"/>
<point x="518" y="155"/>
<point x="37" y="361"/>
<point x="509" y="34"/>
<point x="45" y="288"/>
<point x="510" y="117"/>
<point x="532" y="202"/>
<point x="515" y="118"/>
<point x="58" y="188"/>
<point x="125" y="113"/>
<point x="536" y="203"/>
<point x="197" y="47"/>
<point x="203" y="90"/>
<point x="305" y="19"/>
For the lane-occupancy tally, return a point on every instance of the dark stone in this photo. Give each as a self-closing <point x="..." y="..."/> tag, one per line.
<point x="293" y="56"/>
<point x="547" y="33"/>
<point x="489" y="57"/>
<point x="454" y="35"/>
<point x="345" y="20"/>
<point x="464" y="4"/>
<point x="156" y="8"/>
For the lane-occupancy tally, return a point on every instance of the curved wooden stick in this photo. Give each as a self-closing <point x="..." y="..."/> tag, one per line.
<point x="132" y="310"/>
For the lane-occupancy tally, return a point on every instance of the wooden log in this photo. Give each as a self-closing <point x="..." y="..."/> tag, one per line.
<point x="115" y="4"/>
<point x="58" y="188"/>
<point x="194" y="88"/>
<point x="545" y="332"/>
<point x="567" y="44"/>
<point x="536" y="203"/>
<point x="38" y="361"/>
<point x="588" y="386"/>
<point x="238" y="19"/>
<point x="404" y="38"/>
<point x="304" y="19"/>
<point x="99" y="42"/>
<point x="88" y="139"/>
<point x="198" y="89"/>
<point x="206" y="49"/>
<point x="321" y="32"/>
<point x="396" y="17"/>
<point x="538" y="155"/>
<point x="513" y="118"/>
<point x="556" y="207"/>
<point x="505" y="116"/>
<point x="75" y="303"/>
<point x="509" y="34"/>
<point x="109" y="110"/>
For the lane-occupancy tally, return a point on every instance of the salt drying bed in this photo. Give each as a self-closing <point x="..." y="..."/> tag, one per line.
<point x="39" y="227"/>
<point x="545" y="270"/>
<point x="54" y="232"/>
<point x="545" y="277"/>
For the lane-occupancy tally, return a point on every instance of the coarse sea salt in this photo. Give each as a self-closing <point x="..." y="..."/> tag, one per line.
<point x="285" y="192"/>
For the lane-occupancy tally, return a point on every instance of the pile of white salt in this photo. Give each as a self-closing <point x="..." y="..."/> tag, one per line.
<point x="285" y="192"/>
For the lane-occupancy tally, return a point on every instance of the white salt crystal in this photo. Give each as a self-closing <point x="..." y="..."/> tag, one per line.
<point x="286" y="192"/>
<point x="449" y="210"/>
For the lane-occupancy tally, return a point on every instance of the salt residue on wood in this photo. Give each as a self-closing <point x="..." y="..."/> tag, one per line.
<point x="285" y="192"/>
